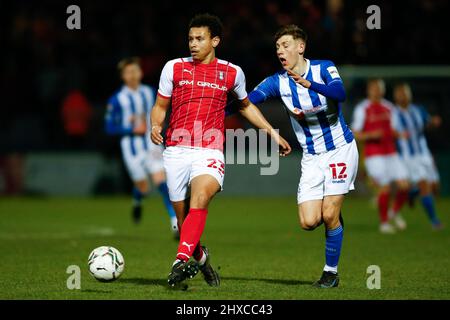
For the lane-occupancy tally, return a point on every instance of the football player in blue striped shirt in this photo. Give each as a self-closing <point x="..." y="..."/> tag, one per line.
<point x="312" y="92"/>
<point x="127" y="115"/>
<point x="413" y="149"/>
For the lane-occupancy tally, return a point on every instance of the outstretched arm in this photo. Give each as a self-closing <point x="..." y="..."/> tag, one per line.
<point x="334" y="90"/>
<point x="256" y="118"/>
<point x="157" y="117"/>
<point x="368" y="136"/>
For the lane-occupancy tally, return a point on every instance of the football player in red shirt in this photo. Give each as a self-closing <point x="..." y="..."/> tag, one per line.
<point x="197" y="88"/>
<point x="375" y="124"/>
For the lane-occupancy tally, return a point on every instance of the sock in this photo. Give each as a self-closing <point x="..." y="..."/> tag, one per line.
<point x="428" y="204"/>
<point x="191" y="233"/>
<point x="174" y="224"/>
<point x="400" y="198"/>
<point x="164" y="191"/>
<point x="199" y="255"/>
<point x="383" y="205"/>
<point x="176" y="261"/>
<point x="333" y="244"/>
<point x="137" y="197"/>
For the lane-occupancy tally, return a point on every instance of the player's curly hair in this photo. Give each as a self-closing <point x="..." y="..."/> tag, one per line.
<point x="208" y="20"/>
<point x="126" y="62"/>
<point x="293" y="30"/>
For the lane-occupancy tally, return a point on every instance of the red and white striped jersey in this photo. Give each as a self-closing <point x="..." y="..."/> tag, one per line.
<point x="199" y="96"/>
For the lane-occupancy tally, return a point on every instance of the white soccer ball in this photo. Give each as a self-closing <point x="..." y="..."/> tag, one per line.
<point x="106" y="263"/>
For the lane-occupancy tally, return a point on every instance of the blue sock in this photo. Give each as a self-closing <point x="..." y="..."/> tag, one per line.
<point x="333" y="244"/>
<point x="137" y="197"/>
<point x="428" y="204"/>
<point x="165" y="194"/>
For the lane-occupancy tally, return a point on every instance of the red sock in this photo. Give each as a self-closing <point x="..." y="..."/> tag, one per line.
<point x="383" y="205"/>
<point x="198" y="252"/>
<point x="191" y="233"/>
<point x="400" y="198"/>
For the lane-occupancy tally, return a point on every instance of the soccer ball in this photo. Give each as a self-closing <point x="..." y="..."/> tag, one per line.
<point x="106" y="263"/>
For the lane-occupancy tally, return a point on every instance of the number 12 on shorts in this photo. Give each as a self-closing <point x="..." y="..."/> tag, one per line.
<point x="341" y="167"/>
<point x="217" y="164"/>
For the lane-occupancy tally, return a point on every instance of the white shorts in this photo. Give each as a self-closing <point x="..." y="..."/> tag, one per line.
<point x="329" y="173"/>
<point x="386" y="169"/>
<point x="183" y="164"/>
<point x="430" y="168"/>
<point x="416" y="168"/>
<point x="141" y="157"/>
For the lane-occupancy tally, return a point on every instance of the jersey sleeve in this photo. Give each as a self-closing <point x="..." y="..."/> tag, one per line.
<point x="396" y="124"/>
<point x="166" y="81"/>
<point x="359" y="117"/>
<point x="268" y="88"/>
<point x="426" y="117"/>
<point x="113" y="118"/>
<point x="151" y="93"/>
<point x="239" y="84"/>
<point x="329" y="72"/>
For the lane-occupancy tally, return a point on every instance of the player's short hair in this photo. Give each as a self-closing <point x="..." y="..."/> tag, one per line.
<point x="291" y="30"/>
<point x="210" y="21"/>
<point x="401" y="84"/>
<point x="126" y="62"/>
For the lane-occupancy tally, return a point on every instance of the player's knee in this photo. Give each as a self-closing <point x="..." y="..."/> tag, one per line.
<point x="309" y="224"/>
<point x="403" y="185"/>
<point x="158" y="177"/>
<point x="143" y="187"/>
<point x="330" y="217"/>
<point x="200" y="199"/>
<point x="384" y="189"/>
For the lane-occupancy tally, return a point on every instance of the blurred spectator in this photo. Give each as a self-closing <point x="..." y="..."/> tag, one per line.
<point x="12" y="169"/>
<point x="76" y="114"/>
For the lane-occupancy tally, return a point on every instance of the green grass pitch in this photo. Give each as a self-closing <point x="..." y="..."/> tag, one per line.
<point x="256" y="242"/>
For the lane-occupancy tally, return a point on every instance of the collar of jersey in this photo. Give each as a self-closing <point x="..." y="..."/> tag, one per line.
<point x="128" y="89"/>
<point x="308" y="66"/>
<point x="198" y="64"/>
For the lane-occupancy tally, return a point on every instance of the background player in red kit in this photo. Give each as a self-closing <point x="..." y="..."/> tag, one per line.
<point x="193" y="159"/>
<point x="374" y="123"/>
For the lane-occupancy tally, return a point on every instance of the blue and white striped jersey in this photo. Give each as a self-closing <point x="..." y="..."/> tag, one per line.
<point x="127" y="109"/>
<point x="317" y="121"/>
<point x="412" y="120"/>
<point x="423" y="144"/>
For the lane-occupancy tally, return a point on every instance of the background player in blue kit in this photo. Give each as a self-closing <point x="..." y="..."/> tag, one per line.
<point x="311" y="91"/>
<point x="127" y="114"/>
<point x="413" y="149"/>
